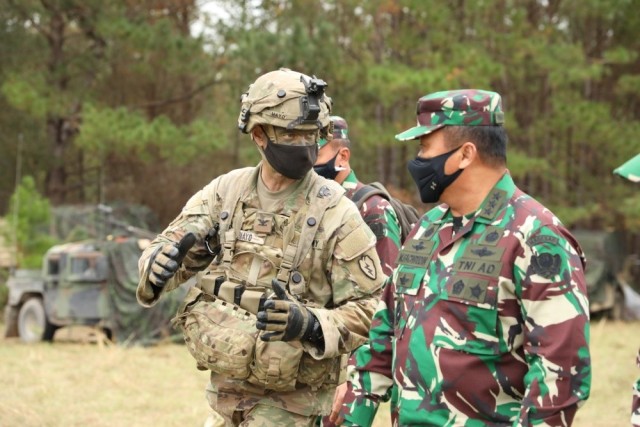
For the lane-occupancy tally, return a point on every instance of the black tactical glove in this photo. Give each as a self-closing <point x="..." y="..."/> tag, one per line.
<point x="287" y="319"/>
<point x="167" y="260"/>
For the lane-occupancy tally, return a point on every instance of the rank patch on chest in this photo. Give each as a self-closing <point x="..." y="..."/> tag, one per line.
<point x="470" y="289"/>
<point x="405" y="281"/>
<point x="367" y="266"/>
<point x="263" y="223"/>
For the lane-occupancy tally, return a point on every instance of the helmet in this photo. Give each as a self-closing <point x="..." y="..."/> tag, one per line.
<point x="286" y="99"/>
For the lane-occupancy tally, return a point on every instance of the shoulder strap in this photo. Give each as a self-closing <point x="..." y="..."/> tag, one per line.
<point x="239" y="180"/>
<point x="321" y="197"/>
<point x="364" y="193"/>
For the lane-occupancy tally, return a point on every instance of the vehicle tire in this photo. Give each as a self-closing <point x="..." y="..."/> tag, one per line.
<point x="10" y="322"/>
<point x="49" y="330"/>
<point x="32" y="320"/>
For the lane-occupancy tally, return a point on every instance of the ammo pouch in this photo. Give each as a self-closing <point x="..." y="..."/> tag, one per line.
<point x="276" y="364"/>
<point x="223" y="338"/>
<point x="280" y="366"/>
<point x="219" y="335"/>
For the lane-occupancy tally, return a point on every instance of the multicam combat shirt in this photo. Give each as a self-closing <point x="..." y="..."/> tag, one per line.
<point x="379" y="215"/>
<point x="487" y="326"/>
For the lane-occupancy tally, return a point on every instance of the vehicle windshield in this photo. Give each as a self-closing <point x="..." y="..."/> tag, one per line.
<point x="88" y="268"/>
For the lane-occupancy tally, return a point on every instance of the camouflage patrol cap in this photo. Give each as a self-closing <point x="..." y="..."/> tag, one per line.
<point x="463" y="107"/>
<point x="340" y="131"/>
<point x="286" y="99"/>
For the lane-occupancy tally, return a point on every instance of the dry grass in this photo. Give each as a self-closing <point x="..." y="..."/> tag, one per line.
<point x="93" y="384"/>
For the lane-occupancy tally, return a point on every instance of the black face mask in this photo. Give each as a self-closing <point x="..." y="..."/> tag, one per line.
<point x="328" y="170"/>
<point x="430" y="177"/>
<point x="292" y="161"/>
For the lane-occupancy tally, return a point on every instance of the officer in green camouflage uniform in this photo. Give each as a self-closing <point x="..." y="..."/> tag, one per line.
<point x="377" y="212"/>
<point x="635" y="401"/>
<point x="485" y="321"/>
<point x="287" y="273"/>
<point x="631" y="171"/>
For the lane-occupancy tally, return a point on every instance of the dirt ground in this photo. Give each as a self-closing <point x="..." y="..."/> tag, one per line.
<point x="83" y="380"/>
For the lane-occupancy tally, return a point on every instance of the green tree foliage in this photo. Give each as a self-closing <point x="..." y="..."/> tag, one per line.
<point x="107" y="80"/>
<point x="28" y="224"/>
<point x="147" y="111"/>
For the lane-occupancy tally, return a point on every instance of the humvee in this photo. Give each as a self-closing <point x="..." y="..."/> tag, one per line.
<point x="605" y="262"/>
<point x="91" y="282"/>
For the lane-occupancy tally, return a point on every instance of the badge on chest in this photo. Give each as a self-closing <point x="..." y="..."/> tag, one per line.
<point x="263" y="223"/>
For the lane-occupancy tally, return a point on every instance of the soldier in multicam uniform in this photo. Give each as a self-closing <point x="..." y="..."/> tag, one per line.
<point x="485" y="321"/>
<point x="631" y="171"/>
<point x="289" y="277"/>
<point x="333" y="163"/>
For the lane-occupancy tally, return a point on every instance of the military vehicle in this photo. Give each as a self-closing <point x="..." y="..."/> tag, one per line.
<point x="91" y="282"/>
<point x="605" y="264"/>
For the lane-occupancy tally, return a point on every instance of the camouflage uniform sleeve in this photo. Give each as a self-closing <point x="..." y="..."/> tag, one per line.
<point x="383" y="221"/>
<point x="196" y="217"/>
<point x="370" y="379"/>
<point x="635" y="402"/>
<point x="550" y="282"/>
<point x="356" y="278"/>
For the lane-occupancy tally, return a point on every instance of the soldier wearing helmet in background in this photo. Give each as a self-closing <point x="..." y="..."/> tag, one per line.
<point x="333" y="163"/>
<point x="289" y="276"/>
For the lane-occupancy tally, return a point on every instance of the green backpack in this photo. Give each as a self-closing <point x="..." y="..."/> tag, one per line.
<point x="407" y="215"/>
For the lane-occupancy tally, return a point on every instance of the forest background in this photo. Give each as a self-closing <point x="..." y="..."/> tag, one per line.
<point x="137" y="101"/>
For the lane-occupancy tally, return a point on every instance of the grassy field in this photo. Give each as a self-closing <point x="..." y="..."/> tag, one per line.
<point x="72" y="383"/>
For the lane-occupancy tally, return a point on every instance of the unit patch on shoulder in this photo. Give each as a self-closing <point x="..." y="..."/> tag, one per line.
<point x="539" y="239"/>
<point x="367" y="266"/>
<point x="546" y="265"/>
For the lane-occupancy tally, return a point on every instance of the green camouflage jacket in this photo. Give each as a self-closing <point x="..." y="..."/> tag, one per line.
<point x="635" y="403"/>
<point x="379" y="215"/>
<point x="488" y="326"/>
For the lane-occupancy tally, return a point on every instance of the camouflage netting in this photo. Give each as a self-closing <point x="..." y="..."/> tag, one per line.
<point x="132" y="323"/>
<point x="79" y="222"/>
<point x="604" y="252"/>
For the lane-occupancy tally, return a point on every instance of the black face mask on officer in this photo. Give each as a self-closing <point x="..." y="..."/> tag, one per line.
<point x="292" y="161"/>
<point x="429" y="176"/>
<point x="329" y="169"/>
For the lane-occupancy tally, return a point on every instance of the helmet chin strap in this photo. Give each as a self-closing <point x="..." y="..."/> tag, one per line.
<point x="268" y="130"/>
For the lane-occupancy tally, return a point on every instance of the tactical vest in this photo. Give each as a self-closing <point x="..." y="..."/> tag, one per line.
<point x="219" y="314"/>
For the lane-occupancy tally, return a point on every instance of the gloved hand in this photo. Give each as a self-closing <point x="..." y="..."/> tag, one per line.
<point x="287" y="319"/>
<point x="167" y="261"/>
